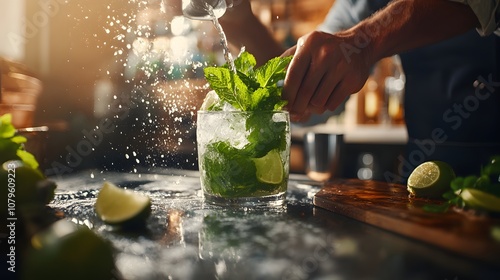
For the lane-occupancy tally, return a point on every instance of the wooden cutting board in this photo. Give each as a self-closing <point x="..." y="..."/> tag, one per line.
<point x="388" y="206"/>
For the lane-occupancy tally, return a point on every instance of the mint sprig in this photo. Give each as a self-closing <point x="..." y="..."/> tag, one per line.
<point x="12" y="145"/>
<point x="249" y="88"/>
<point x="488" y="181"/>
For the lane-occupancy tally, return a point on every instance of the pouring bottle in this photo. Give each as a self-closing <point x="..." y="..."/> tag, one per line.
<point x="205" y="9"/>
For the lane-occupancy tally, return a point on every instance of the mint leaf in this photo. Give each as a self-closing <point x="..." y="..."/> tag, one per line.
<point x="457" y="183"/>
<point x="259" y="97"/>
<point x="241" y="93"/>
<point x="268" y="99"/>
<point x="7" y="130"/>
<point x="250" y="83"/>
<point x="265" y="134"/>
<point x="449" y="195"/>
<point x="28" y="158"/>
<point x="273" y="71"/>
<point x="228" y="86"/>
<point x="245" y="63"/>
<point x="18" y="139"/>
<point x="11" y="145"/>
<point x="280" y="105"/>
<point x="229" y="172"/>
<point x="469" y="181"/>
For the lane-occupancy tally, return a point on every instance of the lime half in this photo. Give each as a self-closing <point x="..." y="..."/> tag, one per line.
<point x="115" y="205"/>
<point x="269" y="168"/>
<point x="22" y="179"/>
<point x="65" y="250"/>
<point x="430" y="179"/>
<point x="478" y="199"/>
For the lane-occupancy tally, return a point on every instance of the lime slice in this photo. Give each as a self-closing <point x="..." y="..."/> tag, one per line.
<point x="478" y="199"/>
<point x="269" y="168"/>
<point x="115" y="205"/>
<point x="210" y="99"/>
<point x="430" y="179"/>
<point x="66" y="249"/>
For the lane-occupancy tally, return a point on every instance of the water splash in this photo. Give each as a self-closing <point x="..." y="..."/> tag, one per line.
<point x="163" y="7"/>
<point x="160" y="65"/>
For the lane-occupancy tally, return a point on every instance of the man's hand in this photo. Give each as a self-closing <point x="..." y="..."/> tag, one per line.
<point x="323" y="73"/>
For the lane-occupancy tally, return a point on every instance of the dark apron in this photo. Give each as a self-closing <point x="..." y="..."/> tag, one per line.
<point x="447" y="117"/>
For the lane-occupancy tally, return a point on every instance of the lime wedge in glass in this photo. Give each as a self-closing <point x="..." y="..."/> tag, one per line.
<point x="430" y="179"/>
<point x="478" y="199"/>
<point x="269" y="168"/>
<point x="210" y="99"/>
<point x="118" y="206"/>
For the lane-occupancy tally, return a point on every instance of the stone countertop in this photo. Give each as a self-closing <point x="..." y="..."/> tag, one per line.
<point x="186" y="239"/>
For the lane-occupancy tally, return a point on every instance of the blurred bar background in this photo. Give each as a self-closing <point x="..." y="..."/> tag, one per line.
<point x="86" y="61"/>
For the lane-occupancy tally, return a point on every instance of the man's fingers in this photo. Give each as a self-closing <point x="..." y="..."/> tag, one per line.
<point x="337" y="96"/>
<point x="296" y="71"/>
<point x="324" y="90"/>
<point x="300" y="118"/>
<point x="309" y="87"/>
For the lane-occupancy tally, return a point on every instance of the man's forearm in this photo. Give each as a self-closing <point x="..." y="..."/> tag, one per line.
<point x="407" y="24"/>
<point x="254" y="36"/>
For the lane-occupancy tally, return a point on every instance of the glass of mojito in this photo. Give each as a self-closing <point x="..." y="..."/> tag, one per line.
<point x="243" y="135"/>
<point x="244" y="156"/>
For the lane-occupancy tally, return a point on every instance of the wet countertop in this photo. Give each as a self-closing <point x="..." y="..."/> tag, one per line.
<point x="186" y="239"/>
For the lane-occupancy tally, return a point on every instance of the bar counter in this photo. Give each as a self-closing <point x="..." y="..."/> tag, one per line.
<point x="186" y="239"/>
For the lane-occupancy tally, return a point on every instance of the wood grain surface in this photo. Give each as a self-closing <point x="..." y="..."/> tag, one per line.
<point x="388" y="206"/>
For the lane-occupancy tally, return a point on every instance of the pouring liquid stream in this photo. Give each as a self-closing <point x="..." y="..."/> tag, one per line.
<point x="223" y="40"/>
<point x="225" y="46"/>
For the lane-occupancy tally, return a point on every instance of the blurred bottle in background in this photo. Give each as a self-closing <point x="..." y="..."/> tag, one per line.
<point x="381" y="99"/>
<point x="394" y="91"/>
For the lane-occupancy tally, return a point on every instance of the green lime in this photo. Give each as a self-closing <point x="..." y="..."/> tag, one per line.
<point x="478" y="199"/>
<point x="495" y="233"/>
<point x="65" y="250"/>
<point x="430" y="179"/>
<point x="29" y="186"/>
<point x="269" y="168"/>
<point x="115" y="205"/>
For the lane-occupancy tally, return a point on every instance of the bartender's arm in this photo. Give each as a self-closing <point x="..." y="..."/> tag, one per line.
<point x="244" y="29"/>
<point x="326" y="68"/>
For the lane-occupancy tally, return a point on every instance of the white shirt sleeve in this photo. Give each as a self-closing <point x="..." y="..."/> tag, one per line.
<point x="488" y="14"/>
